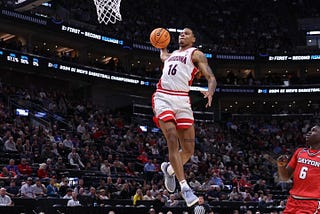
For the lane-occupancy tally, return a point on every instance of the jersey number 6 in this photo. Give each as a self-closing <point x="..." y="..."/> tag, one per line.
<point x="303" y="172"/>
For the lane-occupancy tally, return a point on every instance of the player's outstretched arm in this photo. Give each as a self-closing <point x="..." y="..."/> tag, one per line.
<point x="285" y="172"/>
<point x="164" y="54"/>
<point x="200" y="60"/>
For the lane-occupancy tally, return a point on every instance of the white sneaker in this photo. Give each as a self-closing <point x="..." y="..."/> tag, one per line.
<point x="189" y="196"/>
<point x="169" y="180"/>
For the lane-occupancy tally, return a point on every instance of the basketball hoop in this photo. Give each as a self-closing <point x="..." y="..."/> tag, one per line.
<point x="108" y="11"/>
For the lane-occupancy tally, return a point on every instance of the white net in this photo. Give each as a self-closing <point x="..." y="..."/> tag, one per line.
<point x="108" y="11"/>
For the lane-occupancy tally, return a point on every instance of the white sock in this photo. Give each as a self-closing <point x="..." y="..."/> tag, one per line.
<point x="170" y="170"/>
<point x="184" y="184"/>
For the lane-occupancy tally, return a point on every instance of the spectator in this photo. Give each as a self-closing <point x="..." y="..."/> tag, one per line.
<point x="52" y="190"/>
<point x="5" y="200"/>
<point x="260" y="186"/>
<point x="255" y="197"/>
<point x="234" y="195"/>
<point x="6" y="176"/>
<point x="149" y="170"/>
<point x="269" y="199"/>
<point x="156" y="165"/>
<point x="68" y="194"/>
<point x="86" y="137"/>
<point x="152" y="211"/>
<point x="39" y="189"/>
<point x="111" y="187"/>
<point x="74" y="202"/>
<point x="202" y="207"/>
<point x="13" y="168"/>
<point x="81" y="128"/>
<point x="55" y="150"/>
<point x="130" y="170"/>
<point x="93" y="197"/>
<point x="195" y="158"/>
<point x="50" y="167"/>
<point x="64" y="186"/>
<point x="102" y="195"/>
<point x="24" y="168"/>
<point x="27" y="150"/>
<point x="216" y="180"/>
<point x="67" y="143"/>
<point x="13" y="190"/>
<point x="63" y="150"/>
<point x="143" y="157"/>
<point x="172" y="202"/>
<point x="102" y="184"/>
<point x="138" y="196"/>
<point x="110" y="158"/>
<point x="243" y="182"/>
<point x="42" y="171"/>
<point x="194" y="183"/>
<point x="159" y="201"/>
<point x="10" y="145"/>
<point x="281" y="204"/>
<point x="105" y="168"/>
<point x="19" y="145"/>
<point x="82" y="196"/>
<point x="213" y="193"/>
<point x="125" y="192"/>
<point x="79" y="186"/>
<point x="246" y="196"/>
<point x="148" y="196"/>
<point x="164" y="195"/>
<point x="74" y="159"/>
<point x="60" y="165"/>
<point x="119" y="184"/>
<point x="46" y="153"/>
<point x="154" y="190"/>
<point x="27" y="190"/>
<point x="234" y="191"/>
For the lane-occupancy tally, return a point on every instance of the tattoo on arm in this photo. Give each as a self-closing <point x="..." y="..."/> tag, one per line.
<point x="202" y="58"/>
<point x="209" y="70"/>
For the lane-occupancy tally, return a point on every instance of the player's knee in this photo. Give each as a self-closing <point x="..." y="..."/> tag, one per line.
<point x="172" y="137"/>
<point x="188" y="152"/>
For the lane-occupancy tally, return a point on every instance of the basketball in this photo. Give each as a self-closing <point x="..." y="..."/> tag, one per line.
<point x="160" y="38"/>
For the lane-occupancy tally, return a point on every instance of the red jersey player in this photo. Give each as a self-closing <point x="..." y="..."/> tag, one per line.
<point x="305" y="168"/>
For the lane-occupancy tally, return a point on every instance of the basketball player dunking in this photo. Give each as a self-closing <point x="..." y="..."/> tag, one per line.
<point x="305" y="168"/>
<point x="172" y="108"/>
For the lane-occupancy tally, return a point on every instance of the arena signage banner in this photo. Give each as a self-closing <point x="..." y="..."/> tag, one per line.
<point x="43" y="64"/>
<point x="293" y="58"/>
<point x="288" y="90"/>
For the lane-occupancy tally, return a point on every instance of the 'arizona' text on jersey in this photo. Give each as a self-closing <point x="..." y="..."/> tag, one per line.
<point x="178" y="72"/>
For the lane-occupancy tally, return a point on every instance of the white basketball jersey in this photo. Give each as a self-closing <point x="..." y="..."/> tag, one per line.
<point x="178" y="72"/>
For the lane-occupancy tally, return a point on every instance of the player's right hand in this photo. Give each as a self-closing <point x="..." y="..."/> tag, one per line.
<point x="282" y="160"/>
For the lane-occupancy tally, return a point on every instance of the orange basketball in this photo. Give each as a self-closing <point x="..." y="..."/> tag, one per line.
<point x="160" y="37"/>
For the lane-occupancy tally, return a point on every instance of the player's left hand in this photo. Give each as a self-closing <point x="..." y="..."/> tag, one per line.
<point x="209" y="96"/>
